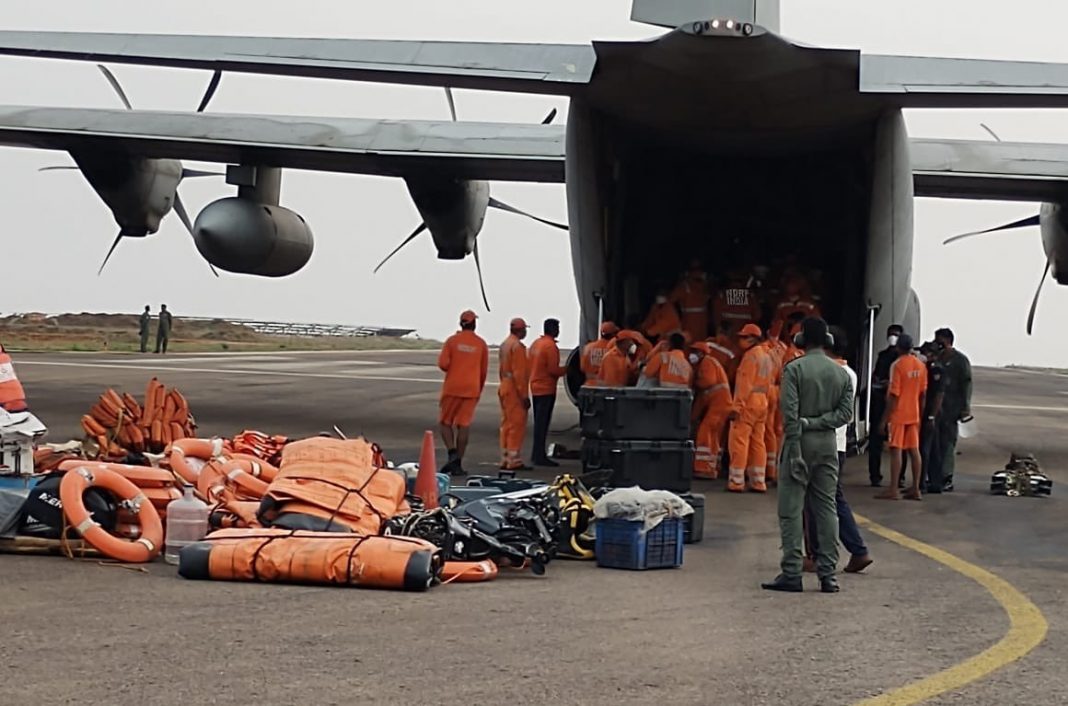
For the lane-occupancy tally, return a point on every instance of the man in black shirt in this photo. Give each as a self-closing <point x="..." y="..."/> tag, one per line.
<point x="880" y="381"/>
<point x="956" y="402"/>
<point x="929" y="443"/>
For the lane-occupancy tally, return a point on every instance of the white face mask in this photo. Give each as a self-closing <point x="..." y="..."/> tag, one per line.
<point x="891" y="340"/>
<point x="633" y="349"/>
<point x="661" y="300"/>
<point x="694" y="359"/>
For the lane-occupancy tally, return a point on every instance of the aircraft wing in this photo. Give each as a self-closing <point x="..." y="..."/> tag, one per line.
<point x="491" y="151"/>
<point x="532" y="68"/>
<point x="925" y="82"/>
<point x="1000" y="171"/>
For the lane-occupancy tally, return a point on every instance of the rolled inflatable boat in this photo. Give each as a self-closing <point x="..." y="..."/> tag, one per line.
<point x="318" y="558"/>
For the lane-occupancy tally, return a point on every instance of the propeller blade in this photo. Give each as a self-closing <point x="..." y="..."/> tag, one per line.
<point x="110" y="251"/>
<point x="194" y="173"/>
<point x="494" y="203"/>
<point x="56" y="168"/>
<point x="179" y="208"/>
<point x="550" y="117"/>
<point x="481" y="284"/>
<point x="213" y="85"/>
<point x="452" y="103"/>
<point x="115" y="84"/>
<point x="1034" y="302"/>
<point x="410" y="238"/>
<point x="1022" y="223"/>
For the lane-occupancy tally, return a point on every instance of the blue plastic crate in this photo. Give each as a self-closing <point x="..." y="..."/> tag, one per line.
<point x="621" y="544"/>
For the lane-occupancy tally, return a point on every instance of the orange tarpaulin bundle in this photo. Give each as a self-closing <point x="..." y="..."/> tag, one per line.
<point x="322" y="558"/>
<point x="332" y="484"/>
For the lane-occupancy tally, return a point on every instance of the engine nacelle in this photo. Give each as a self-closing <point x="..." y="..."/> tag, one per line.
<point x="247" y="237"/>
<point x="453" y="210"/>
<point x="1053" y="219"/>
<point x="139" y="191"/>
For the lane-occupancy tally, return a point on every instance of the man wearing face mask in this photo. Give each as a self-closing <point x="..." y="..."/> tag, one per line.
<point x="749" y="414"/>
<point x="663" y="318"/>
<point x="620" y="362"/>
<point x="880" y="381"/>
<point x="593" y="354"/>
<point x="930" y="354"/>
<point x="712" y="403"/>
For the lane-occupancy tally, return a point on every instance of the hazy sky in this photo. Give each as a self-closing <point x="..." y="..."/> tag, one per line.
<point x="56" y="230"/>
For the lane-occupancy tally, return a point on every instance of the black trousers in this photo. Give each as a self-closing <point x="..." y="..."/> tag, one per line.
<point x="931" y="451"/>
<point x="543" y="415"/>
<point x="877" y="440"/>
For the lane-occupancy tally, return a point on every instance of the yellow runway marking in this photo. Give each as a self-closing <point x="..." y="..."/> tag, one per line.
<point x="1027" y="627"/>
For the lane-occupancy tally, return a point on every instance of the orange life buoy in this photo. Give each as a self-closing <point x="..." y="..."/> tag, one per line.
<point x="468" y="571"/>
<point x="131" y="498"/>
<point x="141" y="476"/>
<point x="188" y="456"/>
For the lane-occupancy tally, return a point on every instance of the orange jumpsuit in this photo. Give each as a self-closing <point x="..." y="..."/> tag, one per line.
<point x="726" y="352"/>
<point x="465" y="361"/>
<point x="691" y="297"/>
<point x="773" y="424"/>
<point x="671" y="368"/>
<point x="714" y="401"/>
<point x="662" y="320"/>
<point x="617" y="370"/>
<point x="736" y="306"/>
<point x="592" y="355"/>
<point x="748" y="454"/>
<point x="514" y="395"/>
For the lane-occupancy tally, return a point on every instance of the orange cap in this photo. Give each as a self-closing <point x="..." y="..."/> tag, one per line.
<point x="751" y="330"/>
<point x="518" y="323"/>
<point x="468" y="317"/>
<point x="608" y="328"/>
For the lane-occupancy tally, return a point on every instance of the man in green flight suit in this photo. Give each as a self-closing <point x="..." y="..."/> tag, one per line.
<point x="146" y="328"/>
<point x="163" y="333"/>
<point x="816" y="399"/>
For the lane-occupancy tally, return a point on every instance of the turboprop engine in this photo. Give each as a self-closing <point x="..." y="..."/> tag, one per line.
<point x="247" y="237"/>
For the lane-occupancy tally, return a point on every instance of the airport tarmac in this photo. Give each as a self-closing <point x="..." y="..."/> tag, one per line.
<point x="703" y="634"/>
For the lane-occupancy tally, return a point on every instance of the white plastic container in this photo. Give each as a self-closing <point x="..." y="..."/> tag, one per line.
<point x="968" y="428"/>
<point x="187" y="522"/>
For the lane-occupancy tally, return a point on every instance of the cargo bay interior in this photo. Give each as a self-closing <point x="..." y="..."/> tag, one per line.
<point x="734" y="211"/>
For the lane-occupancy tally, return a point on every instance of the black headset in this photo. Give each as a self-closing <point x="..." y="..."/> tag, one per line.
<point x="799" y="340"/>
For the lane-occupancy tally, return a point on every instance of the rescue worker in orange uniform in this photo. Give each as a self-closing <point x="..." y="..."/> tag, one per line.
<point x="671" y="368"/>
<point x="906" y="399"/>
<point x="749" y="413"/>
<point x="663" y="319"/>
<point x="545" y="371"/>
<point x="795" y="304"/>
<point x="725" y="350"/>
<point x="514" y="394"/>
<point x="465" y="361"/>
<point x="12" y="396"/>
<point x="735" y="305"/>
<point x="776" y="350"/>
<point x="620" y="364"/>
<point x="691" y="296"/>
<point x="632" y="332"/>
<point x="593" y="352"/>
<point x="712" y="404"/>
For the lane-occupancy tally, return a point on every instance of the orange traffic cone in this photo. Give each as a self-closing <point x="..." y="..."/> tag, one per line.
<point x="426" y="483"/>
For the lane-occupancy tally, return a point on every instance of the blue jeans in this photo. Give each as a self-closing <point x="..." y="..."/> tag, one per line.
<point x="848" y="532"/>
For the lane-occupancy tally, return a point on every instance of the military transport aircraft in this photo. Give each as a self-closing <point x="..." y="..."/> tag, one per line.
<point x="718" y="139"/>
